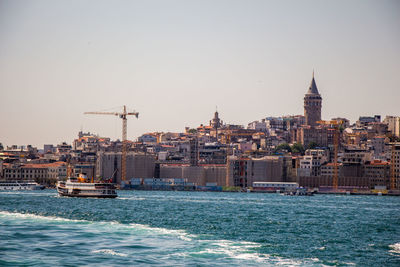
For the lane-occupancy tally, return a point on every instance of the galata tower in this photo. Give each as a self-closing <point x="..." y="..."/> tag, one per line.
<point x="312" y="104"/>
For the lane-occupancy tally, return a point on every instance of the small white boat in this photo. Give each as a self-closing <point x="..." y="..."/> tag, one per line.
<point x="20" y="185"/>
<point x="81" y="187"/>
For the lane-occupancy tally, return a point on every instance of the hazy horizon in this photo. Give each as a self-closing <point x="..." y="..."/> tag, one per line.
<point x="175" y="61"/>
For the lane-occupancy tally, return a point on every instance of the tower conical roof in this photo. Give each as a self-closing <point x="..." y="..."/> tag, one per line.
<point x="313" y="90"/>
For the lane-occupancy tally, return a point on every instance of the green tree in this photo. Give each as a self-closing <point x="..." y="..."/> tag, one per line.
<point x="192" y="131"/>
<point x="312" y="145"/>
<point x="298" y="148"/>
<point x="285" y="147"/>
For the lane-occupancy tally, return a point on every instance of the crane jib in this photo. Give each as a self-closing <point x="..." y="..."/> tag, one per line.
<point x="124" y="134"/>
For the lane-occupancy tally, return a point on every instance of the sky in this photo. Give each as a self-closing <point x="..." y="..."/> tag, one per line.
<point x="175" y="62"/>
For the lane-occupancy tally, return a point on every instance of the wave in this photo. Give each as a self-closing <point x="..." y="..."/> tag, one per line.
<point x="395" y="248"/>
<point x="195" y="246"/>
<point x="28" y="216"/>
<point x="131" y="198"/>
<point x="111" y="252"/>
<point x="26" y="192"/>
<point x="245" y="252"/>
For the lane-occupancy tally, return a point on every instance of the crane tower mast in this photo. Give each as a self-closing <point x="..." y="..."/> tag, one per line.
<point x="123" y="115"/>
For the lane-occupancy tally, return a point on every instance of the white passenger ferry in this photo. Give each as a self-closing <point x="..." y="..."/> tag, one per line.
<point x="20" y="185"/>
<point x="81" y="187"/>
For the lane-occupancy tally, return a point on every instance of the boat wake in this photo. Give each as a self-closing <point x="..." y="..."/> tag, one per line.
<point x="110" y="252"/>
<point x="30" y="216"/>
<point x="395" y="248"/>
<point x="123" y="240"/>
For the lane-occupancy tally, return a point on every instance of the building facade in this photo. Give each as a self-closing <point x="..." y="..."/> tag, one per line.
<point x="138" y="165"/>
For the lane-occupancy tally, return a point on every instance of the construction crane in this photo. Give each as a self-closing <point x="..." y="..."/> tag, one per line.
<point x="392" y="169"/>
<point x="335" y="124"/>
<point x="123" y="115"/>
<point x="393" y="174"/>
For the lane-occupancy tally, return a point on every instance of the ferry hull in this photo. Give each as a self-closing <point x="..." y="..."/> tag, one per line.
<point x="18" y="186"/>
<point x="76" y="192"/>
<point x="80" y="187"/>
<point x="64" y="194"/>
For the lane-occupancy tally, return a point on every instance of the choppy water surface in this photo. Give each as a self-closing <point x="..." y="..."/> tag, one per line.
<point x="198" y="228"/>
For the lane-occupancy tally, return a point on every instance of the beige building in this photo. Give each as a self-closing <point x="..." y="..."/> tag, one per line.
<point x="393" y="123"/>
<point x="396" y="164"/>
<point x="108" y="165"/>
<point x="378" y="173"/>
<point x="240" y="172"/>
<point x="39" y="172"/>
<point x="198" y="175"/>
<point x="243" y="172"/>
<point x="321" y="135"/>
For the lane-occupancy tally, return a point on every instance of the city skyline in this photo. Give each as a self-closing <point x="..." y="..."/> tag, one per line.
<point x="173" y="62"/>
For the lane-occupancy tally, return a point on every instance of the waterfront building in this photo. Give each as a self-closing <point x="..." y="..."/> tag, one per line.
<point x="378" y="174"/>
<point x="327" y="170"/>
<point x="138" y="165"/>
<point x="197" y="175"/>
<point x="32" y="171"/>
<point x="396" y="164"/>
<point x="309" y="166"/>
<point x="243" y="172"/>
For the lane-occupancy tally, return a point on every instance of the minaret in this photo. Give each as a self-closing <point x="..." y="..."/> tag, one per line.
<point x="312" y="104"/>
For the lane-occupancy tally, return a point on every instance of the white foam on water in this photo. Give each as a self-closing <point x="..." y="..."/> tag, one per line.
<point x="395" y="248"/>
<point x="131" y="198"/>
<point x="110" y="252"/>
<point x="181" y="234"/>
<point x="25" y="192"/>
<point x="238" y="250"/>
<point x="29" y="216"/>
<point x="244" y="251"/>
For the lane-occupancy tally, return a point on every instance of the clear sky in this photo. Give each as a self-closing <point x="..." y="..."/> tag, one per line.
<point x="175" y="61"/>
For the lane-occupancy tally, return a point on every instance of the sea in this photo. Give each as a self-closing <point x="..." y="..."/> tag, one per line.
<point x="167" y="228"/>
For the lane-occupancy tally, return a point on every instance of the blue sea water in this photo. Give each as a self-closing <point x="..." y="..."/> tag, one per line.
<point x="39" y="228"/>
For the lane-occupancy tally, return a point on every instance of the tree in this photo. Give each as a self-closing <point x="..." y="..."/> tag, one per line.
<point x="1" y="146"/>
<point x="298" y="148"/>
<point x="283" y="148"/>
<point x="192" y="131"/>
<point x="312" y="145"/>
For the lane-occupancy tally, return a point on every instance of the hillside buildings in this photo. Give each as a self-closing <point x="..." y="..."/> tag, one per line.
<point x="291" y="148"/>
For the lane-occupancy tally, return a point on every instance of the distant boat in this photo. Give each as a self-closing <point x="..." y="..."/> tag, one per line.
<point x="81" y="187"/>
<point x="20" y="185"/>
